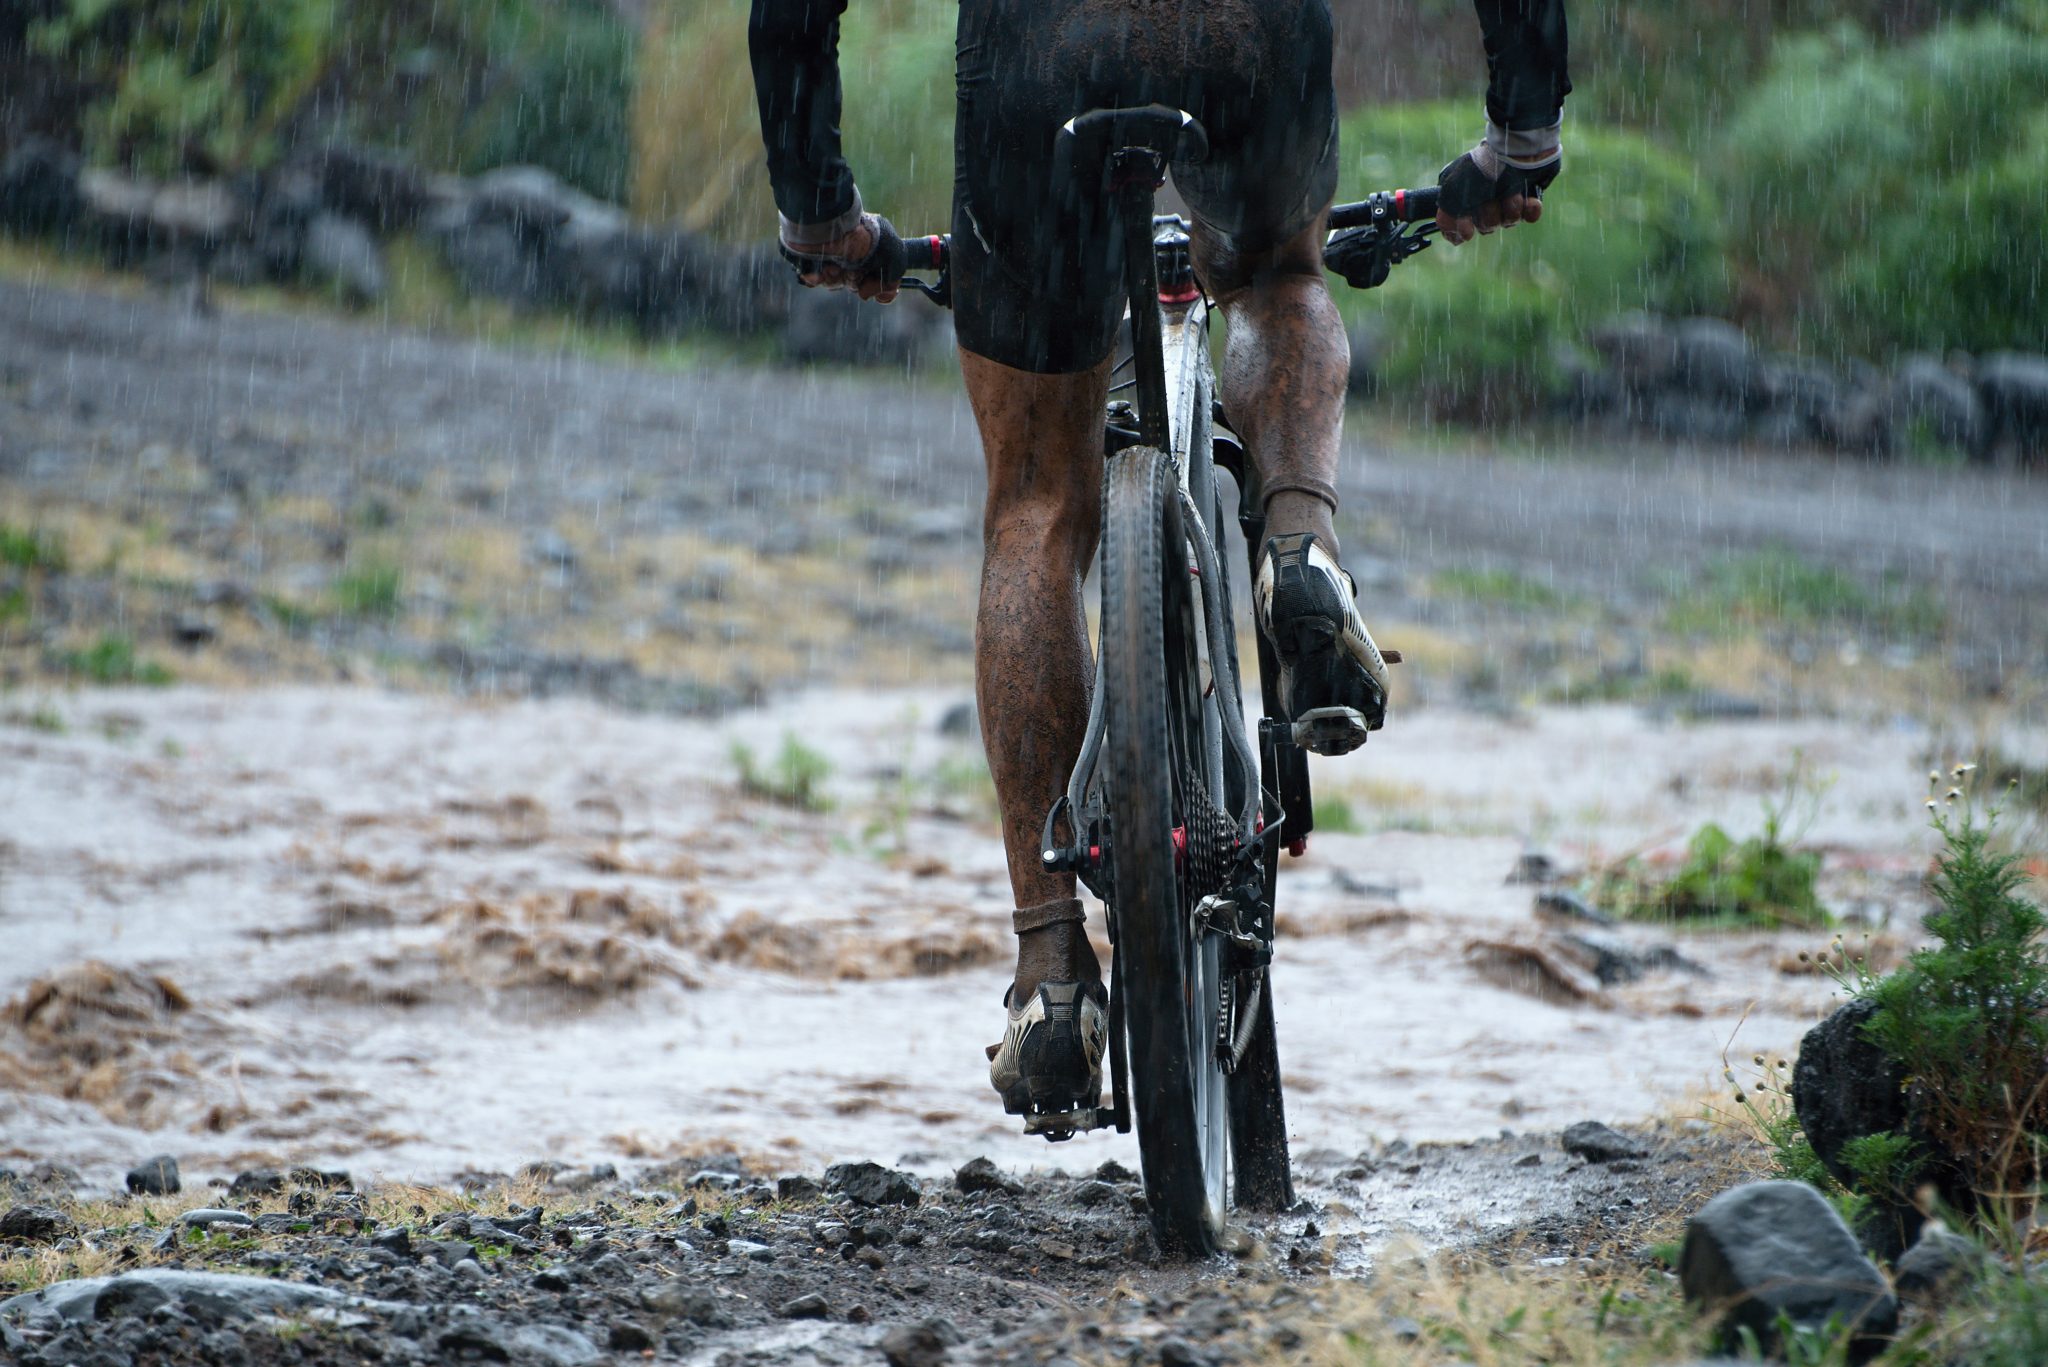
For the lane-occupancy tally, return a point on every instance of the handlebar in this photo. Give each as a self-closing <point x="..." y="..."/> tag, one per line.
<point x="1388" y="211"/>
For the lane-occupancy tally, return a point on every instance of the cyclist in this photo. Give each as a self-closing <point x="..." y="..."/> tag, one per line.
<point x="1037" y="299"/>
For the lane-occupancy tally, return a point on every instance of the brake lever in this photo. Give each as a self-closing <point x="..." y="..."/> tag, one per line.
<point x="940" y="293"/>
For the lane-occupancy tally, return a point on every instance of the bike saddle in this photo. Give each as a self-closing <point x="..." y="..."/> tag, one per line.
<point x="1093" y="138"/>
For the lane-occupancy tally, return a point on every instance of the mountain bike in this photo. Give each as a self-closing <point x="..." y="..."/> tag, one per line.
<point x="1175" y="813"/>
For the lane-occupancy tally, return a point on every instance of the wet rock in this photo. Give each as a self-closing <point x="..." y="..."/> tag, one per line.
<point x="206" y="1217"/>
<point x="256" y="1182"/>
<point x="552" y="1344"/>
<point x="448" y="1252"/>
<point x="1615" y="961"/>
<point x="1772" y="1249"/>
<point x="797" y="1188"/>
<point x="1711" y="357"/>
<point x="1638" y="348"/>
<point x="628" y="1337"/>
<point x="1932" y="402"/>
<point x="156" y="1176"/>
<point x="960" y="721"/>
<point x="809" y="1306"/>
<point x="1562" y="905"/>
<point x="980" y="1174"/>
<point x="1598" y="1143"/>
<point x="39" y="186"/>
<point x="1538" y="968"/>
<point x="1096" y="1193"/>
<point x="872" y="1184"/>
<point x="36" y="1224"/>
<point x="2013" y="388"/>
<point x="339" y="253"/>
<point x="1938" y="1265"/>
<point x="675" y="1300"/>
<point x="919" y="1345"/>
<point x="132" y="1296"/>
<point x="872" y="1258"/>
<point x="713" y="1179"/>
<point x="1534" y="866"/>
<point x="334" y="1179"/>
<point x="1175" y="1352"/>
<point x="1113" y="1171"/>
<point x="223" y="1295"/>
<point x="751" y="1250"/>
<point x="397" y="1242"/>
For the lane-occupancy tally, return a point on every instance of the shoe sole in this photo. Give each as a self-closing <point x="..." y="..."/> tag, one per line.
<point x="1318" y="667"/>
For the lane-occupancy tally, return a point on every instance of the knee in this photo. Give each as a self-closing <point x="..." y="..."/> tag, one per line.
<point x="1054" y="528"/>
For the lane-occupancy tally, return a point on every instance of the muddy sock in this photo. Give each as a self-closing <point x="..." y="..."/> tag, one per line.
<point x="1296" y="510"/>
<point x="1052" y="947"/>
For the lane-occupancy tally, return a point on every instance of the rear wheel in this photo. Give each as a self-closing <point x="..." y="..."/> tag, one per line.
<point x="1151" y="772"/>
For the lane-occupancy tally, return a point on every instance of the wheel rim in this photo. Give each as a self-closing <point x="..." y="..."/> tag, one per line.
<point x="1203" y="957"/>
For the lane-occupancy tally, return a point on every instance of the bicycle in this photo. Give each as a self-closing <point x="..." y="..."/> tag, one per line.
<point x="1173" y="819"/>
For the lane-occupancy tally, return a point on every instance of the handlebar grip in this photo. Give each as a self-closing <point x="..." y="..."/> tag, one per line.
<point x="1416" y="206"/>
<point x="1403" y="206"/>
<point x="927" y="253"/>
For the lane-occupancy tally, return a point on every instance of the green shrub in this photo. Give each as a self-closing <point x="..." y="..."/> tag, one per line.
<point x="1629" y="225"/>
<point x="559" y="96"/>
<point x="1758" y="881"/>
<point x="1893" y="196"/>
<point x="1968" y="1016"/>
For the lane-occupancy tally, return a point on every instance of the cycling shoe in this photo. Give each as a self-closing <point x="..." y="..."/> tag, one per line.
<point x="1333" y="678"/>
<point x="1050" y="1060"/>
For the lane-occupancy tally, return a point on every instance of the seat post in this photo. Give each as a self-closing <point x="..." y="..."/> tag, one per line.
<point x="1135" y="173"/>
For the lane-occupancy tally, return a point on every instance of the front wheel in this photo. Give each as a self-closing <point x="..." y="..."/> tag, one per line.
<point x="1159" y="816"/>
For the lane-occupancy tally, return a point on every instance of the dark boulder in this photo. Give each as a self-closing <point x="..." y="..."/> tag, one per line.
<point x="1938" y="1265"/>
<point x="2014" y="389"/>
<point x="1772" y="1249"/>
<point x="1639" y="350"/>
<point x="39" y="186"/>
<point x="1711" y="358"/>
<point x="1931" y="402"/>
<point x="156" y="1176"/>
<point x="36" y="1224"/>
<point x="838" y="326"/>
<point x="341" y="255"/>
<point x="1598" y="1143"/>
<point x="871" y="1184"/>
<point x="384" y="190"/>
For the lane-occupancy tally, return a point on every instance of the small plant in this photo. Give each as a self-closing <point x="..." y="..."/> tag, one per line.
<point x="112" y="660"/>
<point x="30" y="548"/>
<point x="1761" y="881"/>
<point x="1500" y="586"/>
<point x="796" y="777"/>
<point x="369" y="590"/>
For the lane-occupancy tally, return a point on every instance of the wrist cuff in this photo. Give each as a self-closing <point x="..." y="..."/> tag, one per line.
<point x="796" y="236"/>
<point x="1526" y="149"/>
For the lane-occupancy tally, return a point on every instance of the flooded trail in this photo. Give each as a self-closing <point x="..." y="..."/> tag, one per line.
<point x="418" y="936"/>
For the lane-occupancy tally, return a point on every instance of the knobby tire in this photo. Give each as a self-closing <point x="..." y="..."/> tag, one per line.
<point x="1152" y="702"/>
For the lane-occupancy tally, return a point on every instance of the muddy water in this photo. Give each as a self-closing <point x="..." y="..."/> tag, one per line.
<point x="414" y="936"/>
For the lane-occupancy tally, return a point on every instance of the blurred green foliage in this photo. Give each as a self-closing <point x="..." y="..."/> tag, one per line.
<point x="1891" y="198"/>
<point x="697" y="135"/>
<point x="229" y="85"/>
<point x="1629" y="225"/>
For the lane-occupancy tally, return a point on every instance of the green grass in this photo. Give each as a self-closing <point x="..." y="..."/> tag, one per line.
<point x="30" y="548"/>
<point x="1334" y="815"/>
<point x="1780" y="588"/>
<point x="1501" y="586"/>
<point x="112" y="660"/>
<point x="371" y="589"/>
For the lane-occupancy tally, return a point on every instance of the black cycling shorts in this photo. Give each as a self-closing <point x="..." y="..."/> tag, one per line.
<point x="1037" y="263"/>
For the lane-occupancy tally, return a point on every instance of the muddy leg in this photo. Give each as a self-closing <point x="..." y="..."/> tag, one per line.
<point x="1041" y="436"/>
<point x="1284" y="371"/>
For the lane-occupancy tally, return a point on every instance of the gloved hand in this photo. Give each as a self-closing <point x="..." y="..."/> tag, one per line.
<point x="868" y="259"/>
<point x="1499" y="183"/>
